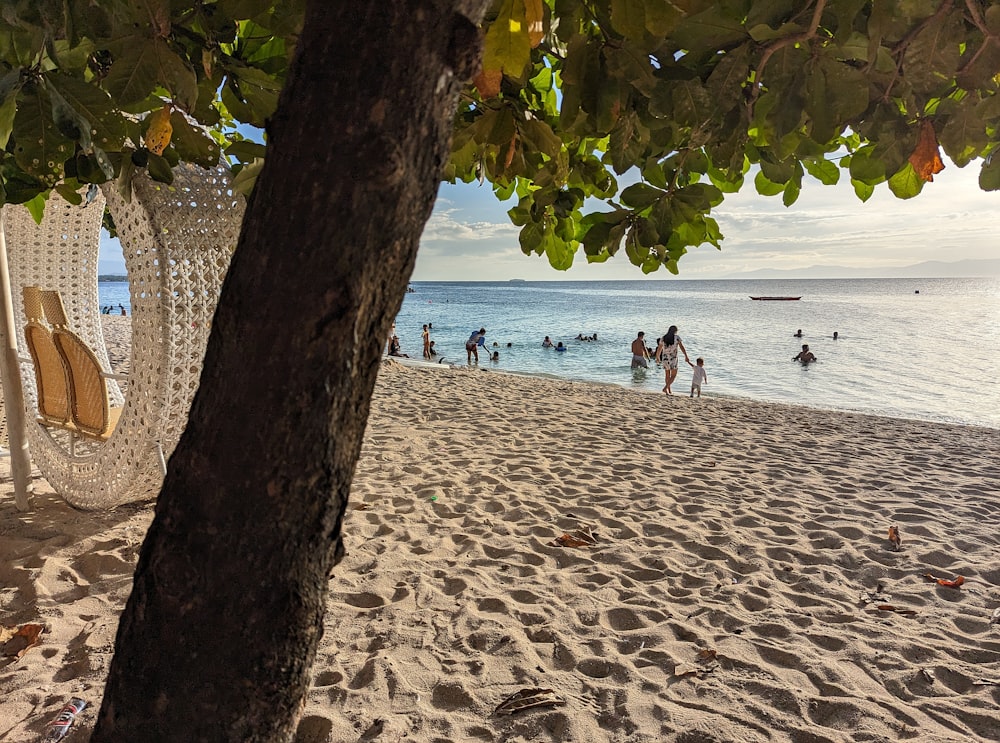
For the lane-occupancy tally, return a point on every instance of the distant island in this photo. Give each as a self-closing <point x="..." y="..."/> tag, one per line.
<point x="112" y="277"/>
<point x="969" y="268"/>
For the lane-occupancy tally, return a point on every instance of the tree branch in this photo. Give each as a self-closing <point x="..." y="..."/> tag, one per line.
<point x="807" y="35"/>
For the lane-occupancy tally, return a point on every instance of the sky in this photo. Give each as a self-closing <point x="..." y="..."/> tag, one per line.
<point x="470" y="238"/>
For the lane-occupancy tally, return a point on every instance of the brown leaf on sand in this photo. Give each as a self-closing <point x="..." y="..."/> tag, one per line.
<point x="897" y="609"/>
<point x="894" y="537"/>
<point x="685" y="669"/>
<point x="26" y="637"/>
<point x="957" y="582"/>
<point x="527" y="699"/>
<point x="580" y="538"/>
<point x="926" y="156"/>
<point x="708" y="654"/>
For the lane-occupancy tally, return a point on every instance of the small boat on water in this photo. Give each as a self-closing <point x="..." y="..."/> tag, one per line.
<point x="776" y="299"/>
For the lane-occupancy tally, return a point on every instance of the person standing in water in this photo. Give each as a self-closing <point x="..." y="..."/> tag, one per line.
<point x="667" y="355"/>
<point x="639" y="352"/>
<point x="477" y="339"/>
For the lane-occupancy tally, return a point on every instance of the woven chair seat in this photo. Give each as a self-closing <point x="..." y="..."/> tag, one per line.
<point x="177" y="241"/>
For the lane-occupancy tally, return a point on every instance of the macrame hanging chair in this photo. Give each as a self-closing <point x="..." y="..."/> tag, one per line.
<point x="178" y="241"/>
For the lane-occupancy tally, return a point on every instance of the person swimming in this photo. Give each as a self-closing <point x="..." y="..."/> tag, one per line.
<point x="560" y="346"/>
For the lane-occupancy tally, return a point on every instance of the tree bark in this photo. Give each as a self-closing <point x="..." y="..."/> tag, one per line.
<point x="218" y="638"/>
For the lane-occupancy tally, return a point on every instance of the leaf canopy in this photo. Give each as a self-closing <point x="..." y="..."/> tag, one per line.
<point x="680" y="99"/>
<point x="677" y="94"/>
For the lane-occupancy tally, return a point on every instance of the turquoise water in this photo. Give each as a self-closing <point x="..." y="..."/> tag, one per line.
<point x="932" y="355"/>
<point x="929" y="356"/>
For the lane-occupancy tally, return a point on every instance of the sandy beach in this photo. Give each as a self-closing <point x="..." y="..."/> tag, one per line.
<point x="727" y="574"/>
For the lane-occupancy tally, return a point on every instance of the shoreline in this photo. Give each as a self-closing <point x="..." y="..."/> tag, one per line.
<point x="705" y="394"/>
<point x="732" y="593"/>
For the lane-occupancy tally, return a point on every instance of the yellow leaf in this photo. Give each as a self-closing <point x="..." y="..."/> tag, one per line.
<point x="159" y="130"/>
<point x="487" y="83"/>
<point x="506" y="46"/>
<point x="533" y="16"/>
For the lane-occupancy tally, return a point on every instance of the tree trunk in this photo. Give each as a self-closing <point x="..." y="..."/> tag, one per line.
<point x="218" y="638"/>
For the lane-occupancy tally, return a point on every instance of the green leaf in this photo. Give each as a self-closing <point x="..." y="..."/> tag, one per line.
<point x="70" y="192"/>
<point x="629" y="17"/>
<point x="10" y="86"/>
<point x="662" y="17"/>
<point x="192" y="143"/>
<point x="541" y="137"/>
<point x="776" y="172"/>
<point x="91" y="105"/>
<point x="711" y="29"/>
<point x="989" y="176"/>
<point x="640" y="195"/>
<point x="725" y="85"/>
<point x="835" y="94"/>
<point x="724" y="182"/>
<point x="532" y="238"/>
<point x="791" y="194"/>
<point x="245" y="180"/>
<point x="246" y="150"/>
<point x="906" y="184"/>
<point x="824" y="171"/>
<point x="766" y="187"/>
<point x="39" y="147"/>
<point x="159" y="169"/>
<point x="142" y="64"/>
<point x="559" y="253"/>
<point x="964" y="136"/>
<point x="863" y="190"/>
<point x="933" y="56"/>
<point x="867" y="169"/>
<point x="257" y="92"/>
<point x="36" y="207"/>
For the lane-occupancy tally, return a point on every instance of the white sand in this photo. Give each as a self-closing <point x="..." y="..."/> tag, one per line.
<point x="748" y="531"/>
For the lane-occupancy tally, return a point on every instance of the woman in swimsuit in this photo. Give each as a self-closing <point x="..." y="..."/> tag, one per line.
<point x="667" y="355"/>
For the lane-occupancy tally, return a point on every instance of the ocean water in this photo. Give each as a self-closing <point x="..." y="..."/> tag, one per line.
<point x="114" y="293"/>
<point x="932" y="355"/>
<point x="926" y="349"/>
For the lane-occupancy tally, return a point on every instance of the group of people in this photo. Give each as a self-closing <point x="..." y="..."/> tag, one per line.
<point x="107" y="310"/>
<point x="665" y="355"/>
<point x="547" y="343"/>
<point x="429" y="352"/>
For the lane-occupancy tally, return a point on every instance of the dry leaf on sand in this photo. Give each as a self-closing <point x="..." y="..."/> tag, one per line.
<point x="26" y="637"/>
<point x="897" y="609"/>
<point x="685" y="669"/>
<point x="528" y="699"/>
<point x="580" y="538"/>
<point x="958" y="581"/>
<point x="894" y="537"/>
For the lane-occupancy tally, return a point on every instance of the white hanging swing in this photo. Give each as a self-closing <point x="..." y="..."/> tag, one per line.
<point x="178" y="241"/>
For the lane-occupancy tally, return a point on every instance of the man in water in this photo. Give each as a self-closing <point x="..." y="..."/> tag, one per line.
<point x="639" y="352"/>
<point x="477" y="339"/>
<point x="805" y="355"/>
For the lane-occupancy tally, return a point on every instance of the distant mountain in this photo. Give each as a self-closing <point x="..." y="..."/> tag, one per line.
<point x="925" y="270"/>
